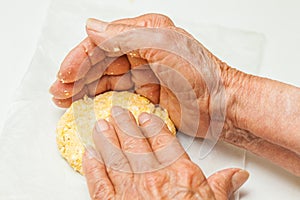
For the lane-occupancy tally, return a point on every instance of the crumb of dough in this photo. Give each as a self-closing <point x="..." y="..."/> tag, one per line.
<point x="75" y="127"/>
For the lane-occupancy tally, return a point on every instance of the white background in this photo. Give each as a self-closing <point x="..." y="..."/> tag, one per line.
<point x="21" y="23"/>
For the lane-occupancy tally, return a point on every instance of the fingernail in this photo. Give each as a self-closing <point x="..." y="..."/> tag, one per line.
<point x="144" y="117"/>
<point x="91" y="152"/>
<point x="239" y="178"/>
<point x="116" y="110"/>
<point x="96" y="25"/>
<point x="101" y="125"/>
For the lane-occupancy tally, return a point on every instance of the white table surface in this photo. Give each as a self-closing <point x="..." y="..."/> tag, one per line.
<point x="278" y="20"/>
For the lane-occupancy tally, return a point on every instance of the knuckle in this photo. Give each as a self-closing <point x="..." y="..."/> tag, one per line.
<point x="155" y="127"/>
<point x="130" y="144"/>
<point x="160" y="141"/>
<point x="118" y="162"/>
<point x="159" y="20"/>
<point x="102" y="191"/>
<point x="165" y="20"/>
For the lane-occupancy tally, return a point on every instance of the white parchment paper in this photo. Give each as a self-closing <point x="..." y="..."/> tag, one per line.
<point x="30" y="164"/>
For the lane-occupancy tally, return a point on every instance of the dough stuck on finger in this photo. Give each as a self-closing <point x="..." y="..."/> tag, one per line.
<point x="75" y="127"/>
<point x="66" y="90"/>
<point x="66" y="103"/>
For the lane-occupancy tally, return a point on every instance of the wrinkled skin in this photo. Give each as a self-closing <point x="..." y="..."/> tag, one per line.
<point x="125" y="174"/>
<point x="163" y="77"/>
<point x="96" y="66"/>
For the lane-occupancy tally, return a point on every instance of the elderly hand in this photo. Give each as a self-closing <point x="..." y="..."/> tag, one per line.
<point x="204" y="96"/>
<point x="163" y="73"/>
<point x="146" y="162"/>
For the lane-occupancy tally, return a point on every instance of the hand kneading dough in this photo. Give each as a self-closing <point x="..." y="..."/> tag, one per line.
<point x="75" y="127"/>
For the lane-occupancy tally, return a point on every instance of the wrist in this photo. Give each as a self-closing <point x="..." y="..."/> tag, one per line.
<point x="263" y="117"/>
<point x="238" y="93"/>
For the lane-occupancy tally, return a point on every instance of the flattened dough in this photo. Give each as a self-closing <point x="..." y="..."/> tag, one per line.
<point x="75" y="127"/>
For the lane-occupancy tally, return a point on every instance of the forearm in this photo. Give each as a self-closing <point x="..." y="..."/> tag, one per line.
<point x="263" y="116"/>
<point x="268" y="109"/>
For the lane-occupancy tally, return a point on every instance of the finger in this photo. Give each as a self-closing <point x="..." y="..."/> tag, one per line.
<point x="95" y="54"/>
<point x="106" y="83"/>
<point x="62" y="103"/>
<point x="133" y="142"/>
<point x="119" y="39"/>
<point x="150" y="91"/>
<point x="107" y="144"/>
<point x="121" y="82"/>
<point x="79" y="60"/>
<point x="129" y="134"/>
<point x="143" y="77"/>
<point x="62" y="90"/>
<point x="99" y="184"/>
<point x="65" y="103"/>
<point x="147" y="20"/>
<point x="96" y="72"/>
<point x="224" y="183"/>
<point x="109" y="66"/>
<point x="146" y="83"/>
<point x="136" y="62"/>
<point x="117" y="66"/>
<point x="164" y="145"/>
<point x="99" y="37"/>
<point x="98" y="87"/>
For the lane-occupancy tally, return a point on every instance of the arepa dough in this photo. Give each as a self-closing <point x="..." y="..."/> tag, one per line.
<point x="75" y="127"/>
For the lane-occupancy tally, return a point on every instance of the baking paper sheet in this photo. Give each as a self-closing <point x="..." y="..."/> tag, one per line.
<point x="30" y="164"/>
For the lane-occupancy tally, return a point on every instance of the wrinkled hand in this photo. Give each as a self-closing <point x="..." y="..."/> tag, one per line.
<point x="168" y="66"/>
<point x="147" y="162"/>
<point x="114" y="57"/>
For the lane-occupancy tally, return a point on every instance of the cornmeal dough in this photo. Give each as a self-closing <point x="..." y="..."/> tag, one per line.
<point x="75" y="127"/>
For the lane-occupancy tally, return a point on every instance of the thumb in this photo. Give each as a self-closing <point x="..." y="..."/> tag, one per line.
<point x="225" y="182"/>
<point x="147" y="20"/>
<point x="109" y="37"/>
<point x="119" y="39"/>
